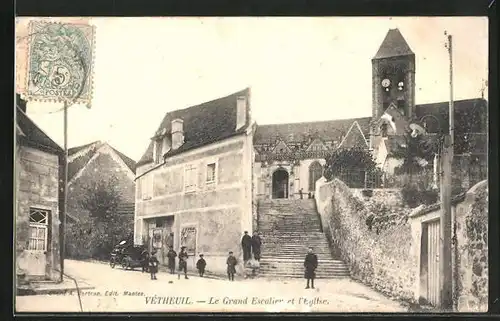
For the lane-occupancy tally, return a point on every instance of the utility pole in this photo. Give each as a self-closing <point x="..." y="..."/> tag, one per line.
<point x="65" y="191"/>
<point x="445" y="260"/>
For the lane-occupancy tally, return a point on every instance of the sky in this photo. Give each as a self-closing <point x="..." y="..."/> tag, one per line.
<point x="299" y="69"/>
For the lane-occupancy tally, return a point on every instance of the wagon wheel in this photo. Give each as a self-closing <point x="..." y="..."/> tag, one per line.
<point x="125" y="263"/>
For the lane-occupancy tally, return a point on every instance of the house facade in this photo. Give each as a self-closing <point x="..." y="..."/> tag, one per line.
<point x="38" y="201"/>
<point x="194" y="182"/>
<point x="91" y="164"/>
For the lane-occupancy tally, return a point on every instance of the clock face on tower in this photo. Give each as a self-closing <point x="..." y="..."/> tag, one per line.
<point x="386" y="83"/>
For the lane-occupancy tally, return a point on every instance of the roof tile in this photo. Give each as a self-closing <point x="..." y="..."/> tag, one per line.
<point x="204" y="124"/>
<point x="394" y="45"/>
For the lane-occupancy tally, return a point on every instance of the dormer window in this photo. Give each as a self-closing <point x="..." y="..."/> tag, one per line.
<point x="158" y="150"/>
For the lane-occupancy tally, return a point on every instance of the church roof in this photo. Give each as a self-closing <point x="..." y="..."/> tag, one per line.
<point x="394" y="45"/>
<point x="331" y="130"/>
<point x="441" y="110"/>
<point x="354" y="138"/>
<point x="203" y="124"/>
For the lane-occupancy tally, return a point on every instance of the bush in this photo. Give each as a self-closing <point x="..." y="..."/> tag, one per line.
<point x="367" y="192"/>
<point x="413" y="195"/>
<point x="95" y="239"/>
<point x="349" y="160"/>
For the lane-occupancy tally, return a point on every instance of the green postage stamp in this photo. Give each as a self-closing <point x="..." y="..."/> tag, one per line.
<point x="60" y="62"/>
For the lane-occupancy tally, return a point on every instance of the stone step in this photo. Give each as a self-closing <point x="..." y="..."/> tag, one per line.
<point x="297" y="249"/>
<point x="280" y="266"/>
<point x="281" y="243"/>
<point x="286" y="275"/>
<point x="301" y="271"/>
<point x="289" y="229"/>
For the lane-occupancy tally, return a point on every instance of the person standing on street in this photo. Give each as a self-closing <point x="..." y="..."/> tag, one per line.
<point x="310" y="265"/>
<point x="200" y="265"/>
<point x="153" y="265"/>
<point x="231" y="266"/>
<point x="256" y="244"/>
<point x="246" y="245"/>
<point x="183" y="256"/>
<point x="171" y="255"/>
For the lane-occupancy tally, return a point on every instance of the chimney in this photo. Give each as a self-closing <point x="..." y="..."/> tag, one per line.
<point x="177" y="133"/>
<point x="241" y="112"/>
<point x="21" y="103"/>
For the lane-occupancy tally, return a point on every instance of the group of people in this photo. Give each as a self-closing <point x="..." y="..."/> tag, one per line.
<point x="251" y="246"/>
<point x="151" y="263"/>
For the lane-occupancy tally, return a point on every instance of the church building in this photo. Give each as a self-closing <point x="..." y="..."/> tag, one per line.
<point x="207" y="166"/>
<point x="290" y="157"/>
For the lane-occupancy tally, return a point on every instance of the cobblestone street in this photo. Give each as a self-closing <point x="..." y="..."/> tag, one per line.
<point x="117" y="290"/>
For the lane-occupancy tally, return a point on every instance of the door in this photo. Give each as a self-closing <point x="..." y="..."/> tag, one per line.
<point x="280" y="184"/>
<point x="36" y="254"/>
<point x="433" y="286"/>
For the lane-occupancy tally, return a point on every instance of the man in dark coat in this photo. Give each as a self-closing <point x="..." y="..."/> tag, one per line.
<point x="200" y="265"/>
<point x="145" y="260"/>
<point x="256" y="244"/>
<point x="231" y="266"/>
<point x="310" y="265"/>
<point x="183" y="256"/>
<point x="153" y="265"/>
<point x="246" y="245"/>
<point x="171" y="255"/>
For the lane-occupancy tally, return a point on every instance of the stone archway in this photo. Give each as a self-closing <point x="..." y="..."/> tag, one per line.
<point x="280" y="183"/>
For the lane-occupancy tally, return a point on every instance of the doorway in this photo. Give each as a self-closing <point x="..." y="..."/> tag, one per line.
<point x="429" y="263"/>
<point x="161" y="236"/>
<point x="280" y="183"/>
<point x="36" y="253"/>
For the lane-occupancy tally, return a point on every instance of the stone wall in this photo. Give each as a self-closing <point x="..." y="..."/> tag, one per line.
<point x="470" y="250"/>
<point x="372" y="258"/>
<point x="390" y="261"/>
<point x="219" y="211"/>
<point x="388" y="196"/>
<point x="38" y="184"/>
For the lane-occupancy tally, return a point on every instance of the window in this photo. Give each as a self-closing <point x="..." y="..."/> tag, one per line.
<point x="158" y="151"/>
<point x="401" y="106"/>
<point x="211" y="173"/>
<point x="190" y="178"/>
<point x="39" y="221"/>
<point x="147" y="186"/>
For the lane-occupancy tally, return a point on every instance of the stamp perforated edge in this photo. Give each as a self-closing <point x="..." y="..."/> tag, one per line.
<point x="90" y="75"/>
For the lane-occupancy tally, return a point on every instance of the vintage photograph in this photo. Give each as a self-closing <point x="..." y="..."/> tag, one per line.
<point x="251" y="164"/>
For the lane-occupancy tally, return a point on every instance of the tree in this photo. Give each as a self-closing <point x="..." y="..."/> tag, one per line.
<point x="416" y="152"/>
<point x="101" y="198"/>
<point x="105" y="226"/>
<point x="349" y="160"/>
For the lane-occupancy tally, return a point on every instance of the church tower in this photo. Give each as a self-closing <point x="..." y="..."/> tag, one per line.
<point x="393" y="76"/>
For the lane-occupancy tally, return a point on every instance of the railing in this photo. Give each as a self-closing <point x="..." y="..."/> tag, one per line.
<point x="379" y="179"/>
<point x="469" y="175"/>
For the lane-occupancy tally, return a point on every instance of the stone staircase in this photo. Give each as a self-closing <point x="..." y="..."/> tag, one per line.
<point x="288" y="229"/>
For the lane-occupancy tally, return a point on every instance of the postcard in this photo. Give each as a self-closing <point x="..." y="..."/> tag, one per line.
<point x="251" y="164"/>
